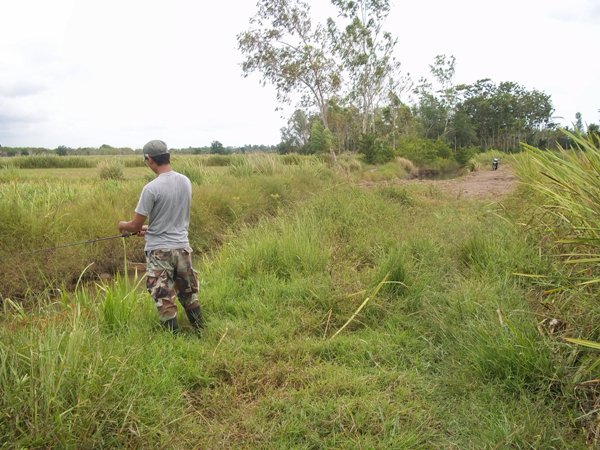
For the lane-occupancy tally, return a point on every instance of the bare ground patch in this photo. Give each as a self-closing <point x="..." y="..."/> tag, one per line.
<point x="481" y="184"/>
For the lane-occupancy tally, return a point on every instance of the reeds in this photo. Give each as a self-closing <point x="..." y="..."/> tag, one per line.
<point x="569" y="184"/>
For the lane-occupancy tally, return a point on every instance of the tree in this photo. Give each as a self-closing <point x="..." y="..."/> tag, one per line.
<point x="374" y="151"/>
<point x="432" y="115"/>
<point x="578" y="123"/>
<point x="366" y="53"/>
<point x="62" y="150"/>
<point x="295" y="136"/>
<point x="320" y="139"/>
<point x="504" y="115"/>
<point x="290" y="53"/>
<point x="344" y="123"/>
<point x="437" y="105"/>
<point x="217" y="147"/>
<point x="443" y="69"/>
<point x="462" y="131"/>
<point x="396" y="119"/>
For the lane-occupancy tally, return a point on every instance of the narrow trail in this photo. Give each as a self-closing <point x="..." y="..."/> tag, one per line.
<point x="481" y="184"/>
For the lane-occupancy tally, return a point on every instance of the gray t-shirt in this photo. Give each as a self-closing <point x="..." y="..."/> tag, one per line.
<point x="166" y="202"/>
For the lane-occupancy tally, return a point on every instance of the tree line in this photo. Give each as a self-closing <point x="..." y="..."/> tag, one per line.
<point x="215" y="148"/>
<point x="353" y="96"/>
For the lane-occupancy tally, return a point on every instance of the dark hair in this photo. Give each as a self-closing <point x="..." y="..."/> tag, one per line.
<point x="161" y="160"/>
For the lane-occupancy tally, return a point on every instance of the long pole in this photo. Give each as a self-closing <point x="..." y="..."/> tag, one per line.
<point x="72" y="244"/>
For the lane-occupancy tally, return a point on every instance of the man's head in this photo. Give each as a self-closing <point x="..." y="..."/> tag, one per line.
<point x="158" y="152"/>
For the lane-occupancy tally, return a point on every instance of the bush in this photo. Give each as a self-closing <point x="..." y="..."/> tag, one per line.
<point x="221" y="160"/>
<point x="423" y="151"/>
<point x="406" y="164"/>
<point x="374" y="150"/>
<point x="484" y="160"/>
<point x="464" y="154"/>
<point x="111" y="170"/>
<point x="389" y="171"/>
<point x="321" y="139"/>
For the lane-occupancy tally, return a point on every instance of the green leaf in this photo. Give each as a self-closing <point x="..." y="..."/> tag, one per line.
<point x="584" y="343"/>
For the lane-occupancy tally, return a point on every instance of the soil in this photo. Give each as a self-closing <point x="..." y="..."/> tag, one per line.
<point x="481" y="184"/>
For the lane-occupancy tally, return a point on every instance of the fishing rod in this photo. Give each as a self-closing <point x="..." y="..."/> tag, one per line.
<point x="73" y="244"/>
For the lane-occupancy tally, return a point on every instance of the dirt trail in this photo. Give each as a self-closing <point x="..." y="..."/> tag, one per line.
<point x="481" y="184"/>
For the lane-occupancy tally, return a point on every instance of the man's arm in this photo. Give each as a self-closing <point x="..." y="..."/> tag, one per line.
<point x="135" y="225"/>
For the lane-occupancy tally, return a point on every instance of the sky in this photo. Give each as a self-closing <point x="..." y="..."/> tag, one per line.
<point x="122" y="72"/>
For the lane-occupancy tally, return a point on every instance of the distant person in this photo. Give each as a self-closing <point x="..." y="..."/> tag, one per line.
<point x="166" y="202"/>
<point x="495" y="164"/>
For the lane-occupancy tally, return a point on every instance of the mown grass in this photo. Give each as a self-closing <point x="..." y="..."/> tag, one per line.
<point x="447" y="352"/>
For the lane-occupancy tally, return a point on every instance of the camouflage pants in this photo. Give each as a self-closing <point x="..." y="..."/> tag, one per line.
<point x="170" y="272"/>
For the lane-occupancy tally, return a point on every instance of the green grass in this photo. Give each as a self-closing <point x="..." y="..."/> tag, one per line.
<point x="336" y="317"/>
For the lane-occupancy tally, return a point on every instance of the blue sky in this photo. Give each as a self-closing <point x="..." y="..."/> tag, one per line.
<point x="87" y="73"/>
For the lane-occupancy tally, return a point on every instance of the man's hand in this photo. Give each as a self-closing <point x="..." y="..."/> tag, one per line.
<point x="135" y="225"/>
<point x="122" y="226"/>
<point x="142" y="232"/>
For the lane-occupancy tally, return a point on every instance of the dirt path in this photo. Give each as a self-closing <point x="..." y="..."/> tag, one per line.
<point x="481" y="184"/>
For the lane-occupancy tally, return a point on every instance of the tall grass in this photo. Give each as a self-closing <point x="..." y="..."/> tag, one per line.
<point x="111" y="170"/>
<point x="70" y="384"/>
<point x="569" y="181"/>
<point x="435" y="343"/>
<point x="483" y="161"/>
<point x="67" y="162"/>
<point x="567" y="185"/>
<point x="42" y="214"/>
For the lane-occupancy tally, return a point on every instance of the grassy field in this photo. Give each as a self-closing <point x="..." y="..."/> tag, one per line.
<point x="337" y="317"/>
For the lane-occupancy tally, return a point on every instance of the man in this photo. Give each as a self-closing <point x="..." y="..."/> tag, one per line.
<point x="166" y="201"/>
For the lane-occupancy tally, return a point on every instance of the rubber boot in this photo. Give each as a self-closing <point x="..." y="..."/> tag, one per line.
<point x="195" y="317"/>
<point x="171" y="325"/>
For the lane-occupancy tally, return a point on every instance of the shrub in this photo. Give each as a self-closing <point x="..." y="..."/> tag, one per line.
<point x="484" y="160"/>
<point x="388" y="171"/>
<point x="111" y="170"/>
<point x="321" y="139"/>
<point x="220" y="160"/>
<point x="406" y="164"/>
<point x="464" y="154"/>
<point x="374" y="150"/>
<point x="422" y="151"/>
